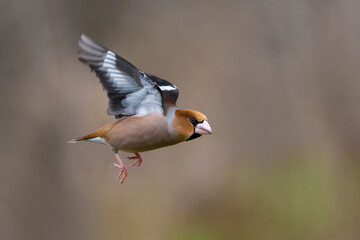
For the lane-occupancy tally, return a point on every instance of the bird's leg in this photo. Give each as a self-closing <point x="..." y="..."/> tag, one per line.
<point x="122" y="168"/>
<point x="139" y="160"/>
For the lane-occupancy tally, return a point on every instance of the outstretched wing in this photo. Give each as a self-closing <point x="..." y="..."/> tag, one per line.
<point x="130" y="91"/>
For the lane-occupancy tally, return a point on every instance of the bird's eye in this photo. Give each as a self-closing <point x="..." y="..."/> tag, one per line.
<point x="192" y="120"/>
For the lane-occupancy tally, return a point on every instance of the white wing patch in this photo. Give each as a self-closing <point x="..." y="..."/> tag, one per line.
<point x="150" y="104"/>
<point x="168" y="88"/>
<point x="147" y="100"/>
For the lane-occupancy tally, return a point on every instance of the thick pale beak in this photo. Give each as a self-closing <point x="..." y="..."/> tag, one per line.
<point x="203" y="128"/>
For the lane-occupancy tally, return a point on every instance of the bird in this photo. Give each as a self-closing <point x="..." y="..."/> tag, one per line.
<point x="144" y="107"/>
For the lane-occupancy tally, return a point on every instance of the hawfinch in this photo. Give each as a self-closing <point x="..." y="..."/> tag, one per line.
<point x="143" y="105"/>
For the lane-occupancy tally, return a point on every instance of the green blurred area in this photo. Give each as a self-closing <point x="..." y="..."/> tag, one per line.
<point x="298" y="199"/>
<point x="278" y="81"/>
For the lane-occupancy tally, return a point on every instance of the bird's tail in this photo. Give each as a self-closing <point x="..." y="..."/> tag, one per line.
<point x="92" y="137"/>
<point x="97" y="136"/>
<point x="76" y="140"/>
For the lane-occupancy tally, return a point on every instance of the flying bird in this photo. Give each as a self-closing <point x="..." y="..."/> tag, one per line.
<point x="144" y="106"/>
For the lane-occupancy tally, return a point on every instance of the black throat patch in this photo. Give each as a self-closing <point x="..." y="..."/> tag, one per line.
<point x="193" y="136"/>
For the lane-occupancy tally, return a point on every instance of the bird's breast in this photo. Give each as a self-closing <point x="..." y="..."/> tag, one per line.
<point x="141" y="133"/>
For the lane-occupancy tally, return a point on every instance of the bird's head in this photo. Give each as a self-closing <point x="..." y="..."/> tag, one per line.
<point x="190" y="124"/>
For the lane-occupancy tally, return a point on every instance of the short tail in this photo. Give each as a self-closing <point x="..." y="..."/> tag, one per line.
<point x="97" y="136"/>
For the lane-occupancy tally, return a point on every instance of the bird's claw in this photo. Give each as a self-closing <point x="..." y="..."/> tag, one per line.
<point x="123" y="170"/>
<point x="138" y="162"/>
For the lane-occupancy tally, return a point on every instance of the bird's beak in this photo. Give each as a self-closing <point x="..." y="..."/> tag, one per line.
<point x="203" y="128"/>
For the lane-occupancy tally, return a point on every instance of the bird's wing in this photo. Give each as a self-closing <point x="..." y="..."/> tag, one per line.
<point x="130" y="91"/>
<point x="169" y="91"/>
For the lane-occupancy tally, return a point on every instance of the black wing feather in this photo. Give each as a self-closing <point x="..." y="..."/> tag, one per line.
<point x="169" y="91"/>
<point x="128" y="88"/>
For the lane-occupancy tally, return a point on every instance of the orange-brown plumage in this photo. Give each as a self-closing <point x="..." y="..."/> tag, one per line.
<point x="101" y="132"/>
<point x="182" y="125"/>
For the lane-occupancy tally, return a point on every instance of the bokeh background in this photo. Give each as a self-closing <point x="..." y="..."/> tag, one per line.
<point x="279" y="81"/>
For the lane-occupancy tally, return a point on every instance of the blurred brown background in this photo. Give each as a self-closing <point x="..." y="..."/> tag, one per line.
<point x="278" y="80"/>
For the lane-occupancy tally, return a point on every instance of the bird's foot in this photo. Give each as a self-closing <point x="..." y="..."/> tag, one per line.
<point x="122" y="171"/>
<point x="122" y="168"/>
<point x="138" y="162"/>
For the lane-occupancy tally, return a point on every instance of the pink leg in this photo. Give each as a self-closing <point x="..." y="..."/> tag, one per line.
<point x="121" y="167"/>
<point x="139" y="160"/>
